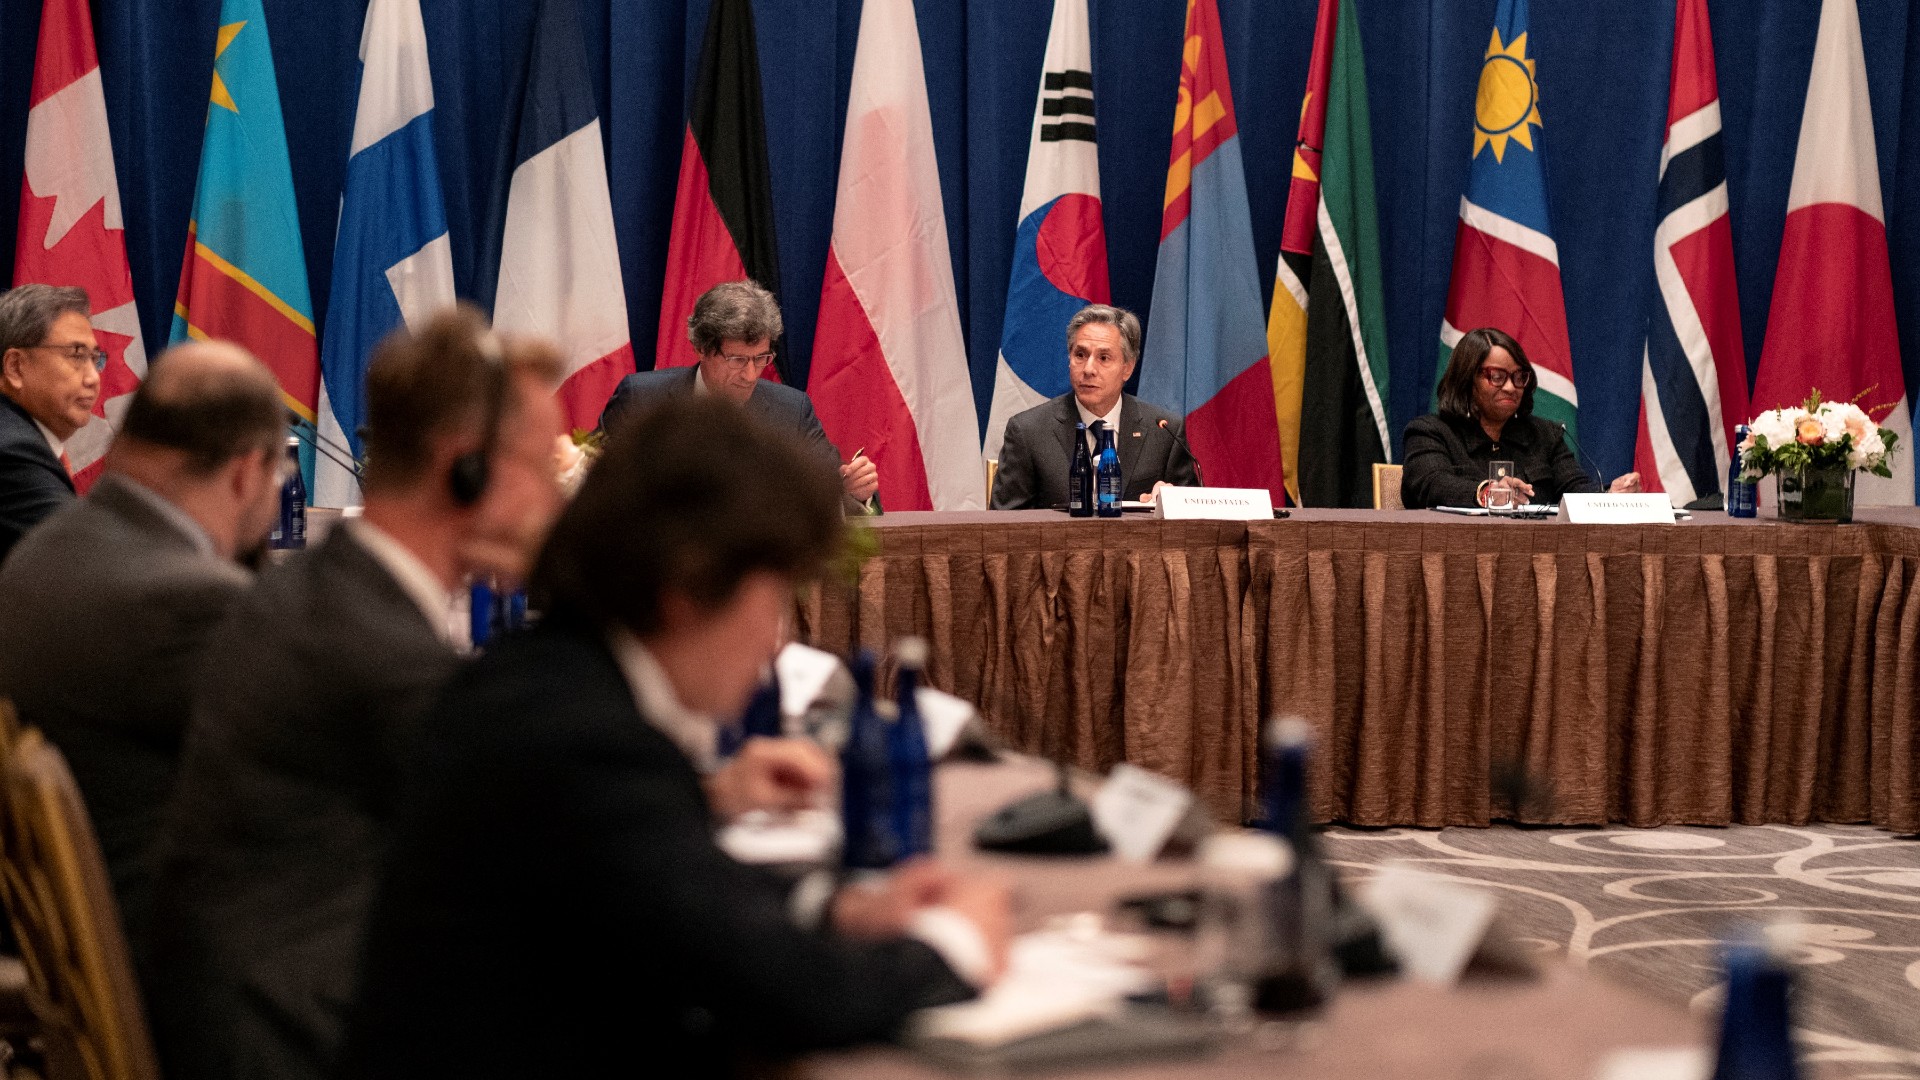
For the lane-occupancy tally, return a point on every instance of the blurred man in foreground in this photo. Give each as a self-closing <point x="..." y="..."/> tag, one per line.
<point x="50" y="368"/>
<point x="314" y="689"/>
<point x="732" y="327"/>
<point x="555" y="869"/>
<point x="106" y="607"/>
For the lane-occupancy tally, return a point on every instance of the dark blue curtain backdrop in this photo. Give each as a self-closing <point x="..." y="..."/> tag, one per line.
<point x="1603" y="68"/>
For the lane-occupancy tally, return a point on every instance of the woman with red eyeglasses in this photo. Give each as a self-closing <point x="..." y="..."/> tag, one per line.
<point x="1486" y="415"/>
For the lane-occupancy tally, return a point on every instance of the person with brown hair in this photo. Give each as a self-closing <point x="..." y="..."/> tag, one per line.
<point x="1486" y="414"/>
<point x="555" y="871"/>
<point x="312" y="692"/>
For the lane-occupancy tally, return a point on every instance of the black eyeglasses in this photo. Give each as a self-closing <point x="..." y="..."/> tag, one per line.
<point x="77" y="354"/>
<point x="1499" y="377"/>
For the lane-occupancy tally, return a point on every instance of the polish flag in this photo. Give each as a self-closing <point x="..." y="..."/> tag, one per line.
<point x="889" y="365"/>
<point x="70" y="225"/>
<point x="1831" y="326"/>
<point x="559" y="267"/>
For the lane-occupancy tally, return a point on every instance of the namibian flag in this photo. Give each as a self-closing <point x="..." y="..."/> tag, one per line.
<point x="1506" y="268"/>
<point x="1206" y="356"/>
<point x="1327" y="333"/>
<point x="245" y="274"/>
<point x="723" y="210"/>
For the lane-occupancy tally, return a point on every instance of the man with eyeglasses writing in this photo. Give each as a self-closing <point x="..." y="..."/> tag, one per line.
<point x="732" y="327"/>
<point x="50" y="366"/>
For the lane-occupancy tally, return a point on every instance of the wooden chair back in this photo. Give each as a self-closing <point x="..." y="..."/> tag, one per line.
<point x="80" y="979"/>
<point x="993" y="469"/>
<point x="1386" y="487"/>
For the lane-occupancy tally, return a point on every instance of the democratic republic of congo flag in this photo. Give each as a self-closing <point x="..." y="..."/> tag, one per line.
<point x="1327" y="333"/>
<point x="1506" y="267"/>
<point x="1206" y="354"/>
<point x="245" y="275"/>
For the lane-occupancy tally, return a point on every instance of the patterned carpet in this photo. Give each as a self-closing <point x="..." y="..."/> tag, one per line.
<point x="1648" y="907"/>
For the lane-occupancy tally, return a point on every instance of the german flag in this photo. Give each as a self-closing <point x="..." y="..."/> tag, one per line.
<point x="723" y="210"/>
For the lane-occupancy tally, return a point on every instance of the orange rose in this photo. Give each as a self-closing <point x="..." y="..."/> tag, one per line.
<point x="1809" y="431"/>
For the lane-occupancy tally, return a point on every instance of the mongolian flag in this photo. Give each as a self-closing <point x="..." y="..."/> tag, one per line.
<point x="70" y="226"/>
<point x="391" y="263"/>
<point x="890" y="367"/>
<point x="1693" y="374"/>
<point x="1059" y="243"/>
<point x="559" y="272"/>
<point x="723" y="210"/>
<point x="1327" y="333"/>
<point x="245" y="275"/>
<point x="1831" y="325"/>
<point x="1206" y="358"/>
<point x="1506" y="267"/>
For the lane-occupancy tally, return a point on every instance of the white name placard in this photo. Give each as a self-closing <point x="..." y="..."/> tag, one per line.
<point x="1137" y="811"/>
<point x="1213" y="504"/>
<point x="1617" y="508"/>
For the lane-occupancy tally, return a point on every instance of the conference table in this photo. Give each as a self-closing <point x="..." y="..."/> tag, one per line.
<point x="1457" y="670"/>
<point x="1501" y="1021"/>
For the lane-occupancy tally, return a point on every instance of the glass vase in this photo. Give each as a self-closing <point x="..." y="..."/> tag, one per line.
<point x="1816" y="496"/>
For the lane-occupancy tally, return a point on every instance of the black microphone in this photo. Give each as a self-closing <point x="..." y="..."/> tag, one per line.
<point x="324" y="446"/>
<point x="1599" y="476"/>
<point x="1182" y="440"/>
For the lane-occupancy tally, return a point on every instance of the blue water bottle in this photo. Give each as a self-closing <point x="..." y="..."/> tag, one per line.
<point x="1756" y="1037"/>
<point x="866" y="779"/>
<point x="1080" y="476"/>
<point x="761" y="720"/>
<point x="290" y="531"/>
<point x="1109" y="479"/>
<point x="1743" y="495"/>
<point x="481" y="603"/>
<point x="1302" y="971"/>
<point x="911" y="764"/>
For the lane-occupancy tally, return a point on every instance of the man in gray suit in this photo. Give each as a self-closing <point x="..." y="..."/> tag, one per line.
<point x="732" y="327"/>
<point x="314" y="689"/>
<point x="106" y="607"/>
<point x="1103" y="347"/>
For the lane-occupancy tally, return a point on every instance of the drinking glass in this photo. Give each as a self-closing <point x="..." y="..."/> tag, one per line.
<point x="1501" y="499"/>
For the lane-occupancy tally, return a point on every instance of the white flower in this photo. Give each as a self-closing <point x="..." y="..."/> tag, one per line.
<point x="1868" y="452"/>
<point x="1776" y="426"/>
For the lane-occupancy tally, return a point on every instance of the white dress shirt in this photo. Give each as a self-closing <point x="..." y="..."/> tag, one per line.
<point x="1112" y="420"/>
<point x="59" y="446"/>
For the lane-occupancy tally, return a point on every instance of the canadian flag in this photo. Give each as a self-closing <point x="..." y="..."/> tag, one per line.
<point x="70" y="227"/>
<point x="889" y="366"/>
<point x="1831" y="327"/>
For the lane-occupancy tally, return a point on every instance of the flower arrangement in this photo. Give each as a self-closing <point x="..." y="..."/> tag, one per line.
<point x="573" y="455"/>
<point x="1819" y="435"/>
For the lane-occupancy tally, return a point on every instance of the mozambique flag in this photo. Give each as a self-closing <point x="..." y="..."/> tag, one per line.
<point x="723" y="210"/>
<point x="245" y="275"/>
<point x="1327" y="335"/>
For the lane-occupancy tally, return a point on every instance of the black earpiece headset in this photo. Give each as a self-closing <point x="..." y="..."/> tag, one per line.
<point x="473" y="470"/>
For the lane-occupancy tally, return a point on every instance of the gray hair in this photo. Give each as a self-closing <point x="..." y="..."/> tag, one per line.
<point x="27" y="313"/>
<point x="1117" y="317"/>
<point x="736" y="310"/>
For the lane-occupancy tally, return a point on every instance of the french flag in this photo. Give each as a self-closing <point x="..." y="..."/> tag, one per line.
<point x="70" y="225"/>
<point x="1060" y="244"/>
<point x="890" y="367"/>
<point x="1693" y="372"/>
<point x="559" y="266"/>
<point x="391" y="262"/>
<point x="1831" y="325"/>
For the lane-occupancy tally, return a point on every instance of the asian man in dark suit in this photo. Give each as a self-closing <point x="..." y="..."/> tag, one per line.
<point x="315" y="686"/>
<point x="732" y="327"/>
<point x="50" y="367"/>
<point x="555" y="870"/>
<point x="106" y="607"/>
<point x="1103" y="347"/>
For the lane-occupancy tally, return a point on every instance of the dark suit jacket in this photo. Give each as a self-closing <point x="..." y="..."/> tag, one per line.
<point x="105" y="612"/>
<point x="777" y="404"/>
<point x="1447" y="458"/>
<point x="281" y="819"/>
<point x="555" y="901"/>
<point x="33" y="483"/>
<point x="1038" y="452"/>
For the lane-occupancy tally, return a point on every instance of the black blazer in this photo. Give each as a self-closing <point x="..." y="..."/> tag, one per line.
<point x="1447" y="456"/>
<point x="555" y="902"/>
<point x="1038" y="452"/>
<point x="313" y="688"/>
<point x="105" y="613"/>
<point x="777" y="404"/>
<point x="33" y="483"/>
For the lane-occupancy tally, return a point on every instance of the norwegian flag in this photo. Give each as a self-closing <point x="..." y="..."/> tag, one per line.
<point x="1693" y="371"/>
<point x="70" y="226"/>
